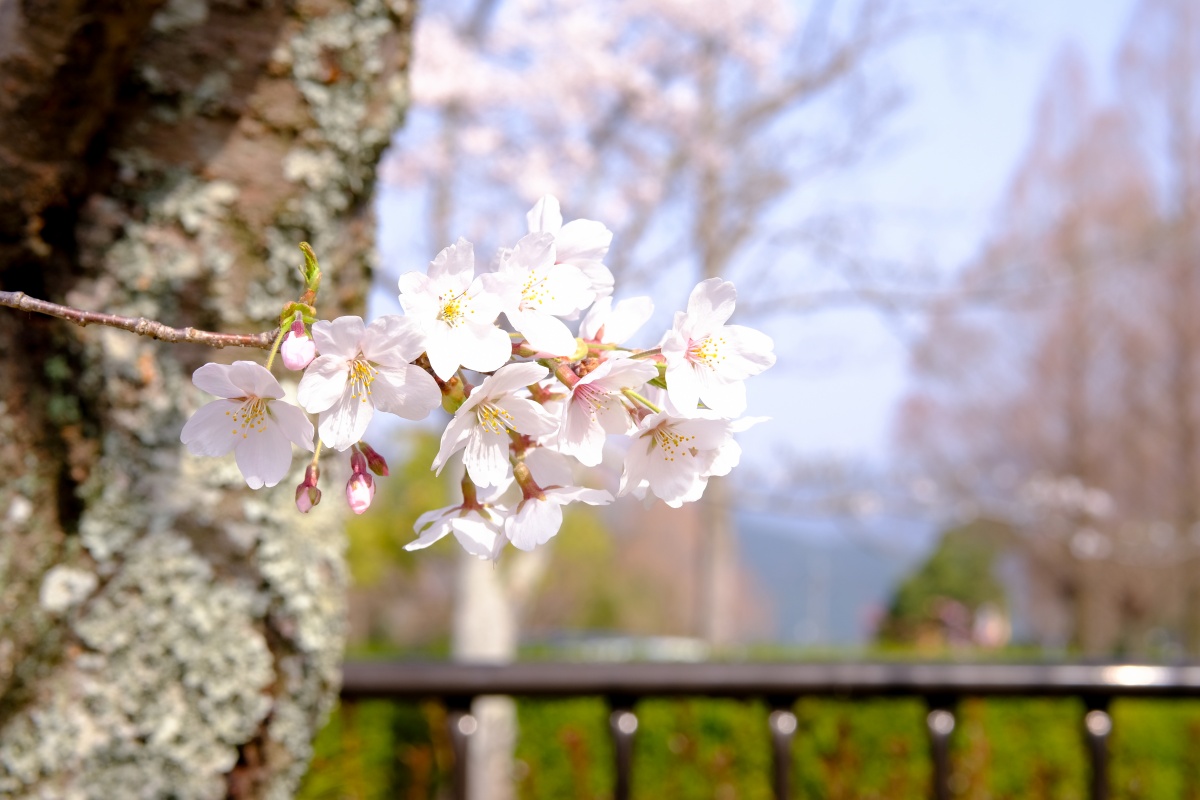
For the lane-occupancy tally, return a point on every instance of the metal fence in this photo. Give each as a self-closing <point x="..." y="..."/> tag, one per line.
<point x="780" y="685"/>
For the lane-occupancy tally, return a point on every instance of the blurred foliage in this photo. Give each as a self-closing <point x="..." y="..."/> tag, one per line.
<point x="961" y="569"/>
<point x="1003" y="749"/>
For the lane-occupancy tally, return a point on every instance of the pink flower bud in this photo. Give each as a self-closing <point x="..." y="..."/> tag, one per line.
<point x="375" y="462"/>
<point x="297" y="350"/>
<point x="307" y="493"/>
<point x="358" y="462"/>
<point x="307" y="497"/>
<point x="359" y="492"/>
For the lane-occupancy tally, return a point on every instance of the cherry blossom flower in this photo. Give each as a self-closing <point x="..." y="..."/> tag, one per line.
<point x="673" y="457"/>
<point x="534" y="292"/>
<point x="482" y="424"/>
<point x="362" y="367"/>
<point x="707" y="360"/>
<point x="455" y="313"/>
<point x="581" y="243"/>
<point x="477" y="528"/>
<point x="538" y="517"/>
<point x="298" y="349"/>
<point x="596" y="408"/>
<point x="249" y="419"/>
<point x="611" y="324"/>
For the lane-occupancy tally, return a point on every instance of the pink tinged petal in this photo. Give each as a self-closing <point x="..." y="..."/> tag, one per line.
<point x="215" y="379"/>
<point x="454" y="437"/>
<point x="544" y="332"/>
<point x="512" y="377"/>
<point x="211" y="431"/>
<point x="627" y="317"/>
<point x="728" y="456"/>
<point x="545" y="216"/>
<point x="264" y="456"/>
<point x="483" y="305"/>
<point x="254" y="380"/>
<point x="709" y="306"/>
<point x="600" y="278"/>
<point x="535" y="251"/>
<point x="527" y="416"/>
<point x="582" y="435"/>
<point x="747" y="352"/>
<point x="341" y="337"/>
<point x="548" y="468"/>
<point x="683" y="388"/>
<point x="293" y="422"/>
<point x="454" y="267"/>
<point x="564" y="290"/>
<point x="703" y="433"/>
<point x="393" y="340"/>
<point x="476" y="536"/>
<point x="445" y="351"/>
<point x="488" y="348"/>
<point x="345" y="422"/>
<point x="621" y="374"/>
<point x="418" y="295"/>
<point x="583" y="240"/>
<point x="486" y="457"/>
<point x="726" y="398"/>
<point x="435" y="533"/>
<point x="324" y="382"/>
<point x="674" y="348"/>
<point x="580" y="494"/>
<point x="536" y="522"/>
<point x="596" y="319"/>
<point x="406" y="391"/>
<point x="614" y="417"/>
<point x="502" y="291"/>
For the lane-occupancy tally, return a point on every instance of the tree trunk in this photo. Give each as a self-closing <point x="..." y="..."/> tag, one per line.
<point x="164" y="631"/>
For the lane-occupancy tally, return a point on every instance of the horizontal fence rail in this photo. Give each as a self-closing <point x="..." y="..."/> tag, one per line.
<point x="780" y="685"/>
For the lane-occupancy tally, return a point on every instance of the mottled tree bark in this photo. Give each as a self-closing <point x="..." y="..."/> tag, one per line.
<point x="163" y="630"/>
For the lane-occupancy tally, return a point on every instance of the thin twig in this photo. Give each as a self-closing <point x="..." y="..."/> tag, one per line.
<point x="139" y="325"/>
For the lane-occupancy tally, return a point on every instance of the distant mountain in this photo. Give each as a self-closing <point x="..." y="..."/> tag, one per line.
<point x="829" y="580"/>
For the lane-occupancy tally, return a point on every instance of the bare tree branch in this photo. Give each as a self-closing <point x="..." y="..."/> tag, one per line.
<point x="139" y="325"/>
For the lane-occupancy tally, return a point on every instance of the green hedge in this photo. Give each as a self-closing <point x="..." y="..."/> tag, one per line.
<point x="705" y="748"/>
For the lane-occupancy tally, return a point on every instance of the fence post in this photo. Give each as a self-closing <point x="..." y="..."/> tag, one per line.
<point x="622" y="724"/>
<point x="1097" y="726"/>
<point x="940" y="724"/>
<point x="462" y="726"/>
<point x="782" y="722"/>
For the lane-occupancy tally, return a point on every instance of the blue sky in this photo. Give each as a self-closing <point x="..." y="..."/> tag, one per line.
<point x="951" y="150"/>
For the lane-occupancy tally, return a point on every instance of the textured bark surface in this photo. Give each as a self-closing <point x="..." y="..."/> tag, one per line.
<point x="163" y="630"/>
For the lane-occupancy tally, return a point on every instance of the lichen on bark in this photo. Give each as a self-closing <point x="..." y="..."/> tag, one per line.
<point x="163" y="630"/>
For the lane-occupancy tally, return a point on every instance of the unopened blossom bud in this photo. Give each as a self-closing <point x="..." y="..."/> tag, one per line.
<point x="307" y="493"/>
<point x="360" y="490"/>
<point x="375" y="462"/>
<point x="298" y="349"/>
<point x="358" y="462"/>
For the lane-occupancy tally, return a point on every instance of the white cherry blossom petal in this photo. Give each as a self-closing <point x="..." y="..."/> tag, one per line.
<point x="406" y="391"/>
<point x="211" y="431"/>
<point x="454" y="266"/>
<point x="264" y="457"/>
<point x="339" y="337"/>
<point x="486" y="457"/>
<point x="710" y="305"/>
<point x="543" y="332"/>
<point x="295" y="425"/>
<point x="215" y="379"/>
<point x="545" y="216"/>
<point x="323" y="383"/>
<point x="345" y="422"/>
<point x="393" y="340"/>
<point x="254" y="380"/>
<point x="536" y="522"/>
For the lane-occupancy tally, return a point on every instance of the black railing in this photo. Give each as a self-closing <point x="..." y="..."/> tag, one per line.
<point x="780" y="685"/>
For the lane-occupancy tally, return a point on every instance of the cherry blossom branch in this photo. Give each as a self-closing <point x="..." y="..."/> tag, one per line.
<point x="139" y="325"/>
